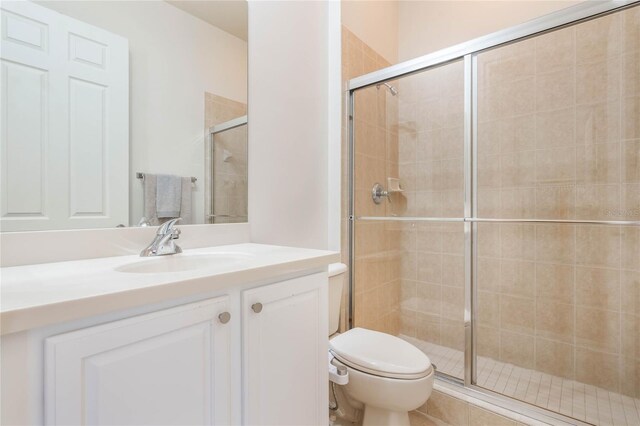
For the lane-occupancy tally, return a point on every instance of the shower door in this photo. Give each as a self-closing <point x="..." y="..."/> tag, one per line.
<point x="507" y="243"/>
<point x="409" y="251"/>
<point x="558" y="282"/>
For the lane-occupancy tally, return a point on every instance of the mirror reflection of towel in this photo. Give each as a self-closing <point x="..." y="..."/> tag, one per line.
<point x="168" y="196"/>
<point x="151" y="195"/>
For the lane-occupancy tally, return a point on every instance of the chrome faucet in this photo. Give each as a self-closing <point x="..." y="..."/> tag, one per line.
<point x="163" y="243"/>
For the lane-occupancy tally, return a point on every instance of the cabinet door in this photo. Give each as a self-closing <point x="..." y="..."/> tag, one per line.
<point x="285" y="353"/>
<point x="165" y="368"/>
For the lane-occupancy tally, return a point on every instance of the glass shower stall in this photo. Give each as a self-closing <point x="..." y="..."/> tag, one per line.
<point x="494" y="213"/>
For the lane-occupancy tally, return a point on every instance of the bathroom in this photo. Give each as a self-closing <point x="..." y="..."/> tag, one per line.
<point x="451" y="188"/>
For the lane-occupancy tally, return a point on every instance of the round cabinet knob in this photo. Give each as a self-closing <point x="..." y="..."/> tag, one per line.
<point x="224" y="317"/>
<point x="257" y="307"/>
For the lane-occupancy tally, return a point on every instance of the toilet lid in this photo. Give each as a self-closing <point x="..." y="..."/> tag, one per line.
<point x="380" y="354"/>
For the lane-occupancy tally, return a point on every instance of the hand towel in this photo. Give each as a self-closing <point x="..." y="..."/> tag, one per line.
<point x="150" y="183"/>
<point x="168" y="196"/>
<point x="185" y="202"/>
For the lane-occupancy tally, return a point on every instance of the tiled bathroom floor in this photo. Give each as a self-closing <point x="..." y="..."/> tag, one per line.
<point x="569" y="397"/>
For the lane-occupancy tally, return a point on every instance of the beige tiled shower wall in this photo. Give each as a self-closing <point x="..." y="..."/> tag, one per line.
<point x="226" y="181"/>
<point x="377" y="284"/>
<point x="559" y="138"/>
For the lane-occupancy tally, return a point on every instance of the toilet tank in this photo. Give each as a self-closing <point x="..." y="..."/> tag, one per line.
<point x="337" y="277"/>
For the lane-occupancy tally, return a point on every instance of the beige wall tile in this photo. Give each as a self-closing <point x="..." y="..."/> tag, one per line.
<point x="453" y="270"/>
<point x="517" y="349"/>
<point x="517" y="241"/>
<point x="453" y="303"/>
<point x="488" y="341"/>
<point x="430" y="268"/>
<point x="555" y="358"/>
<point x="631" y="73"/>
<point x="518" y="203"/>
<point x="516" y="314"/>
<point x="630" y="337"/>
<point x="631" y="160"/>
<point x="630" y="289"/>
<point x="555" y="90"/>
<point x="630" y="377"/>
<point x="428" y="328"/>
<point x="489" y="203"/>
<point x="598" y="81"/>
<point x="488" y="270"/>
<point x="429" y="298"/>
<point x="598" y="123"/>
<point x="555" y="321"/>
<point x="555" y="282"/>
<point x="598" y="329"/>
<point x="481" y="417"/>
<point x="518" y="169"/>
<point x="453" y="238"/>
<point x="598" y="39"/>
<point x="556" y="166"/>
<point x="453" y="334"/>
<point x="599" y="163"/>
<point x="418" y="419"/>
<point x="556" y="202"/>
<point x="598" y="288"/>
<point x="519" y="97"/>
<point x="517" y="278"/>
<point x="490" y="240"/>
<point x="598" y="245"/>
<point x="556" y="49"/>
<point x="555" y="129"/>
<point x="555" y="243"/>
<point x="631" y="29"/>
<point x="630" y="202"/>
<point x="630" y="114"/>
<point x="630" y="247"/>
<point x="598" y="202"/>
<point x="448" y="409"/>
<point x="597" y="368"/>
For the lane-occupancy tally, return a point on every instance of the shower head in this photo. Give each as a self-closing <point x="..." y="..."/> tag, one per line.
<point x="392" y="89"/>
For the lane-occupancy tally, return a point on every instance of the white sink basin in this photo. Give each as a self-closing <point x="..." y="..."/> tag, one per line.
<point x="185" y="262"/>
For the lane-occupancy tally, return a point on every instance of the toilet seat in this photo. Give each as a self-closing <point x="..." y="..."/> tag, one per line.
<point x="380" y="354"/>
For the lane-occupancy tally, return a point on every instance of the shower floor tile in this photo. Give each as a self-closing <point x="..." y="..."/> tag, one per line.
<point x="569" y="397"/>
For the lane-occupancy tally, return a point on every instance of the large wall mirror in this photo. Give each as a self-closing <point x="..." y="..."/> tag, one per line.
<point x="122" y="113"/>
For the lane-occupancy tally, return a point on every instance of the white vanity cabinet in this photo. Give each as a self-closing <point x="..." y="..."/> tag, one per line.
<point x="255" y="355"/>
<point x="170" y="367"/>
<point x="285" y="353"/>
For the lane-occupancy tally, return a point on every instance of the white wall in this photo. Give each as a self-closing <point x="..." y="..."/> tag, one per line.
<point x="289" y="122"/>
<point x="174" y="59"/>
<point x="427" y="26"/>
<point x="374" y="22"/>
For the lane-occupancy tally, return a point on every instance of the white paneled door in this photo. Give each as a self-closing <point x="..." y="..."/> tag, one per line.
<point x="285" y="353"/>
<point x="64" y="120"/>
<point x="170" y="367"/>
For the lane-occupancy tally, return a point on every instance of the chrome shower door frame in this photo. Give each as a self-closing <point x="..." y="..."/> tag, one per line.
<point x="467" y="52"/>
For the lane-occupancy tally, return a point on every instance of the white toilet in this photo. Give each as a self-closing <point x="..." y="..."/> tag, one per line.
<point x="387" y="376"/>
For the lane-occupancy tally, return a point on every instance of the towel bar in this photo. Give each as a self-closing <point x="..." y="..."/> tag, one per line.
<point x="140" y="175"/>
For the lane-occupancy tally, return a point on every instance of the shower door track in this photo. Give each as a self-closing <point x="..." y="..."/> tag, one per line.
<point x="467" y="52"/>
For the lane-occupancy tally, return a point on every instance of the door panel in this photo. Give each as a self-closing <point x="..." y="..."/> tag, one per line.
<point x="284" y="386"/>
<point x="65" y="115"/>
<point x="167" y="367"/>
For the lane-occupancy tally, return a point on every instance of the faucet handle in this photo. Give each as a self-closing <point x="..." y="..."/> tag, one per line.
<point x="167" y="227"/>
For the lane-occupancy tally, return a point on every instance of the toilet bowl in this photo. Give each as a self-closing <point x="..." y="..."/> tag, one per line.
<point x="387" y="376"/>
